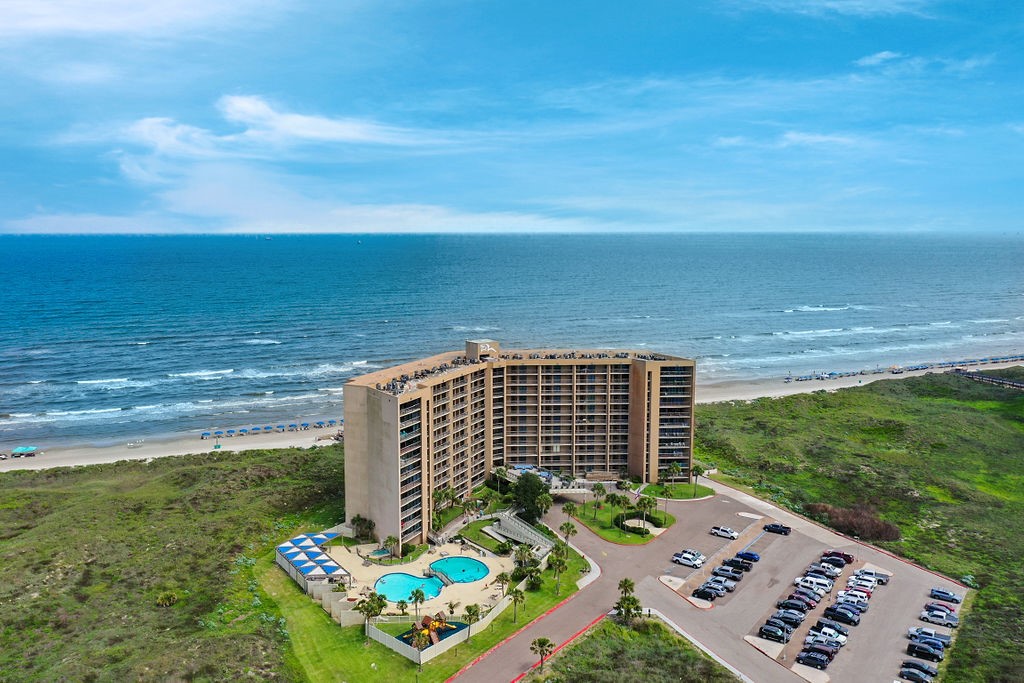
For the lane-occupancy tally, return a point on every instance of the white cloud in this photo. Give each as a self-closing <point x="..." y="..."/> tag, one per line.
<point x="28" y="18"/>
<point x="795" y="138"/>
<point x="858" y="8"/>
<point x="878" y="58"/>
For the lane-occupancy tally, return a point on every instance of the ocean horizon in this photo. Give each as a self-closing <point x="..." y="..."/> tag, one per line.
<point x="109" y="337"/>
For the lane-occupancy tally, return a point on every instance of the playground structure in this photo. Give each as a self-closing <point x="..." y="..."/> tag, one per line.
<point x="436" y="627"/>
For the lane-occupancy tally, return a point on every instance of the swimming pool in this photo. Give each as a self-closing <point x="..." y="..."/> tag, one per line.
<point x="380" y="552"/>
<point x="399" y="586"/>
<point x="461" y="569"/>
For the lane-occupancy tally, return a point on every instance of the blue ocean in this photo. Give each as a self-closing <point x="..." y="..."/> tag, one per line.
<point x="108" y="337"/>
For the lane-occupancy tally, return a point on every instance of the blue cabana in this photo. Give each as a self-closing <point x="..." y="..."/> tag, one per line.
<point x="25" y="450"/>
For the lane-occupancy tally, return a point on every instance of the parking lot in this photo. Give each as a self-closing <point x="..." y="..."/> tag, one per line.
<point x="876" y="647"/>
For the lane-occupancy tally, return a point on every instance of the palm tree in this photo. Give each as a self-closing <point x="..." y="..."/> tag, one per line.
<point x="646" y="504"/>
<point x="568" y="530"/>
<point x="418" y="598"/>
<point x="560" y="549"/>
<point x="402" y="606"/>
<point x="544" y="503"/>
<point x="697" y="471"/>
<point x="628" y="608"/>
<point x="518" y="597"/>
<point x="503" y="579"/>
<point x="599" y="494"/>
<point x="472" y="616"/>
<point x="500" y="473"/>
<point x="569" y="509"/>
<point x="674" y="470"/>
<point x="451" y="607"/>
<point x="557" y="565"/>
<point x="542" y="647"/>
<point x="614" y="500"/>
<point x="626" y="586"/>
<point x="523" y="555"/>
<point x="420" y="638"/>
<point x="533" y="578"/>
<point x="390" y="542"/>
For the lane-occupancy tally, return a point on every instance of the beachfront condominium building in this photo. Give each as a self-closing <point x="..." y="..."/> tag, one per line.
<point x="451" y="419"/>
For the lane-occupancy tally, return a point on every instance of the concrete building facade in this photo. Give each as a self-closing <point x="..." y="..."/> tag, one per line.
<point x="449" y="420"/>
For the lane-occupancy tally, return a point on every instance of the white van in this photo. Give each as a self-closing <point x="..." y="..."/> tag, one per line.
<point x="819" y="584"/>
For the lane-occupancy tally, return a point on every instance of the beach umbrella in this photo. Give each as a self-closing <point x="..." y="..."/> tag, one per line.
<point x="280" y="428"/>
<point x="268" y="428"/>
<point x="204" y="435"/>
<point x="218" y="433"/>
<point x="243" y="431"/>
<point x="231" y="432"/>
<point x="293" y="426"/>
<point x="321" y="423"/>
<point x="254" y="430"/>
<point x="331" y="423"/>
<point x="305" y="425"/>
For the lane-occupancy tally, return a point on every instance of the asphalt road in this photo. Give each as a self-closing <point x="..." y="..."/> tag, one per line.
<point x="875" y="649"/>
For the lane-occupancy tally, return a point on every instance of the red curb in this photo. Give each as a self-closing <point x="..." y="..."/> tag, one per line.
<point x="557" y="649"/>
<point x="854" y="540"/>
<point x="520" y="630"/>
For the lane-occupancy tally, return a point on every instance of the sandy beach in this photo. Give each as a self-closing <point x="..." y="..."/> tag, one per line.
<point x="738" y="390"/>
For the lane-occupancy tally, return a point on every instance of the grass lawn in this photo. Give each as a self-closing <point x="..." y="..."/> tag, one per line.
<point x="323" y="651"/>
<point x="604" y="528"/>
<point x="677" y="491"/>
<point x="648" y="652"/>
<point x="447" y="515"/>
<point x="938" y="455"/>
<point x="474" y="532"/>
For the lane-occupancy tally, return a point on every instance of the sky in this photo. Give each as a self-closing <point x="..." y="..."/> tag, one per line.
<point x="274" y="116"/>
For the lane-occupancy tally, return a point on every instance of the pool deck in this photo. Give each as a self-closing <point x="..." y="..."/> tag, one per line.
<point x="483" y="592"/>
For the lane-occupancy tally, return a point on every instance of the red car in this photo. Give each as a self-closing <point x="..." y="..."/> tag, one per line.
<point x="941" y="607"/>
<point x="838" y="553"/>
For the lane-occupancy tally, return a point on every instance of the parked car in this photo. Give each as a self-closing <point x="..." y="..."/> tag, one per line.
<point x="925" y="652"/>
<point x="815" y="585"/>
<point x="748" y="556"/>
<point x="915" y="675"/>
<point x="705" y="594"/>
<point x="798" y="605"/>
<point x="857" y="584"/>
<point x="810" y="602"/>
<point x="788" y="616"/>
<point x="687" y="560"/>
<point x="813" y="639"/>
<point x="930" y="642"/>
<point x="815" y="659"/>
<point x="778" y="623"/>
<point x="853" y="593"/>
<point x="940" y="607"/>
<point x="737" y="563"/>
<point x="920" y="666"/>
<point x="836" y="562"/>
<point x="728" y="572"/>
<point x="807" y="593"/>
<point x="924" y="632"/>
<point x="940" y="618"/>
<point x="842" y="615"/>
<point x="724" y="532"/>
<point x="824" y="623"/>
<point x="725" y="583"/>
<point x="942" y="594"/>
<point x="861" y="605"/>
<point x="880" y="577"/>
<point x="777" y="528"/>
<point x="837" y="553"/>
<point x="694" y="553"/>
<point x="714" y="588"/>
<point x="826" y="632"/>
<point x="830" y="569"/>
<point x="775" y="633"/>
<point x="829" y="652"/>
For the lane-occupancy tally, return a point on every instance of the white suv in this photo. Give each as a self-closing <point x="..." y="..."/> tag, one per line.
<point x="724" y="532"/>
